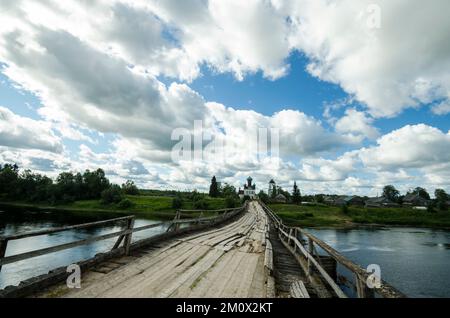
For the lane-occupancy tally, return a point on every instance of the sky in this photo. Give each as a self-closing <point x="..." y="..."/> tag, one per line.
<point x="349" y="95"/>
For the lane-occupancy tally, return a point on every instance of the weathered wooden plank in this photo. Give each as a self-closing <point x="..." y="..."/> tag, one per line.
<point x="268" y="258"/>
<point x="150" y="226"/>
<point x="298" y="290"/>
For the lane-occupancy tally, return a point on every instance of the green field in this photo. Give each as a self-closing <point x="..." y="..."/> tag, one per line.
<point x="323" y="216"/>
<point x="149" y="207"/>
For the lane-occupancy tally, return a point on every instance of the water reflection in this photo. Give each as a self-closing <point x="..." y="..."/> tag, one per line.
<point x="19" y="221"/>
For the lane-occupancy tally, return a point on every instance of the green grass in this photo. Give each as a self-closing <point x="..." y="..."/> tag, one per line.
<point x="149" y="207"/>
<point x="323" y="216"/>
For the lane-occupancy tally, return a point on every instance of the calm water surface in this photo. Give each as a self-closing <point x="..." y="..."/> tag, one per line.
<point x="20" y="221"/>
<point x="414" y="260"/>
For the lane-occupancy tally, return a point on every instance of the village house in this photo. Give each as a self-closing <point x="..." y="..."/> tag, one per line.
<point x="351" y="200"/>
<point x="380" y="202"/>
<point x="415" y="200"/>
<point x="280" y="198"/>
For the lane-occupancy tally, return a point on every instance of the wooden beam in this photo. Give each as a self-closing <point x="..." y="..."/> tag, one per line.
<point x="128" y="236"/>
<point x="312" y="261"/>
<point x="268" y="257"/>
<point x="62" y="229"/>
<point x="119" y="240"/>
<point x="53" y="249"/>
<point x="298" y="290"/>
<point x="3" y="246"/>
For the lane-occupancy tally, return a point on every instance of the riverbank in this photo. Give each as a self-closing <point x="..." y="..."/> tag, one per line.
<point x="328" y="216"/>
<point x="146" y="207"/>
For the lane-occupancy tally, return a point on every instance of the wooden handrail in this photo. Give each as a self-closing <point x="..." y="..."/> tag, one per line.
<point x="53" y="249"/>
<point x="62" y="229"/>
<point x="384" y="290"/>
<point x="124" y="236"/>
<point x="311" y="259"/>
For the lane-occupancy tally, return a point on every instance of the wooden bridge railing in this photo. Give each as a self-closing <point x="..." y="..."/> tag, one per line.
<point x="124" y="235"/>
<point x="292" y="239"/>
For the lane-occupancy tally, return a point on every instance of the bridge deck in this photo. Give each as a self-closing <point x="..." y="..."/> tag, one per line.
<point x="224" y="262"/>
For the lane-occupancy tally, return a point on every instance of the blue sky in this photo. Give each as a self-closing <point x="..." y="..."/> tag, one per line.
<point x="353" y="113"/>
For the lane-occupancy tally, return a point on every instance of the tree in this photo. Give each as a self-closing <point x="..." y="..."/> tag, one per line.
<point x="441" y="195"/>
<point x="421" y="192"/>
<point x="130" y="188"/>
<point x="263" y="196"/>
<point x="214" y="188"/>
<point x="441" y="199"/>
<point x="112" y="195"/>
<point x="229" y="190"/>
<point x="95" y="183"/>
<point x="319" y="198"/>
<point x="230" y="202"/>
<point x="177" y="202"/>
<point x="296" y="196"/>
<point x="9" y="175"/>
<point x="391" y="193"/>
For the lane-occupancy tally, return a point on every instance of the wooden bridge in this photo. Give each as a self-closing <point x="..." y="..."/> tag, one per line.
<point x="246" y="252"/>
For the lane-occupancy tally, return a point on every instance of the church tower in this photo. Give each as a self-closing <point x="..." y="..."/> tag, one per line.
<point x="272" y="188"/>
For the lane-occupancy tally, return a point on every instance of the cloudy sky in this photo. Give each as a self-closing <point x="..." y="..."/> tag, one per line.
<point x="359" y="90"/>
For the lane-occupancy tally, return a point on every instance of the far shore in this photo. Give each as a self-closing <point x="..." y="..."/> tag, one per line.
<point x="318" y="217"/>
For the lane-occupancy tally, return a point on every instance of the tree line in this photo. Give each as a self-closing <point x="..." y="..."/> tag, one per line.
<point x="440" y="202"/>
<point x="66" y="188"/>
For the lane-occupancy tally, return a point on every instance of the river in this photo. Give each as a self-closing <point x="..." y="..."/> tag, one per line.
<point x="414" y="260"/>
<point x="24" y="220"/>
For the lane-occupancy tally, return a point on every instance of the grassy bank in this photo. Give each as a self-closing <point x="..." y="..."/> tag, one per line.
<point x="323" y="216"/>
<point x="148" y="207"/>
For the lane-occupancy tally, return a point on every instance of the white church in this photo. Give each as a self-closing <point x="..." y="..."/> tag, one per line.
<point x="249" y="189"/>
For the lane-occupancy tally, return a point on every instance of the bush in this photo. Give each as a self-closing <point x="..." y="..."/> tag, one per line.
<point x="177" y="202"/>
<point x="230" y="202"/>
<point x="430" y="209"/>
<point x="344" y="209"/>
<point x="67" y="199"/>
<point x="125" y="204"/>
<point x="201" y="205"/>
<point x="442" y="206"/>
<point x="112" y="195"/>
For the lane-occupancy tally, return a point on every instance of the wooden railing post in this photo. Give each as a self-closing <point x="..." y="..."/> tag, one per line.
<point x="128" y="236"/>
<point x="296" y="236"/>
<point x="311" y="253"/>
<point x="289" y="238"/>
<point x="362" y="290"/>
<point x="3" y="245"/>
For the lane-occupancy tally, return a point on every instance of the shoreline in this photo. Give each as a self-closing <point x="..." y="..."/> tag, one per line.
<point x="41" y="208"/>
<point x="160" y="215"/>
